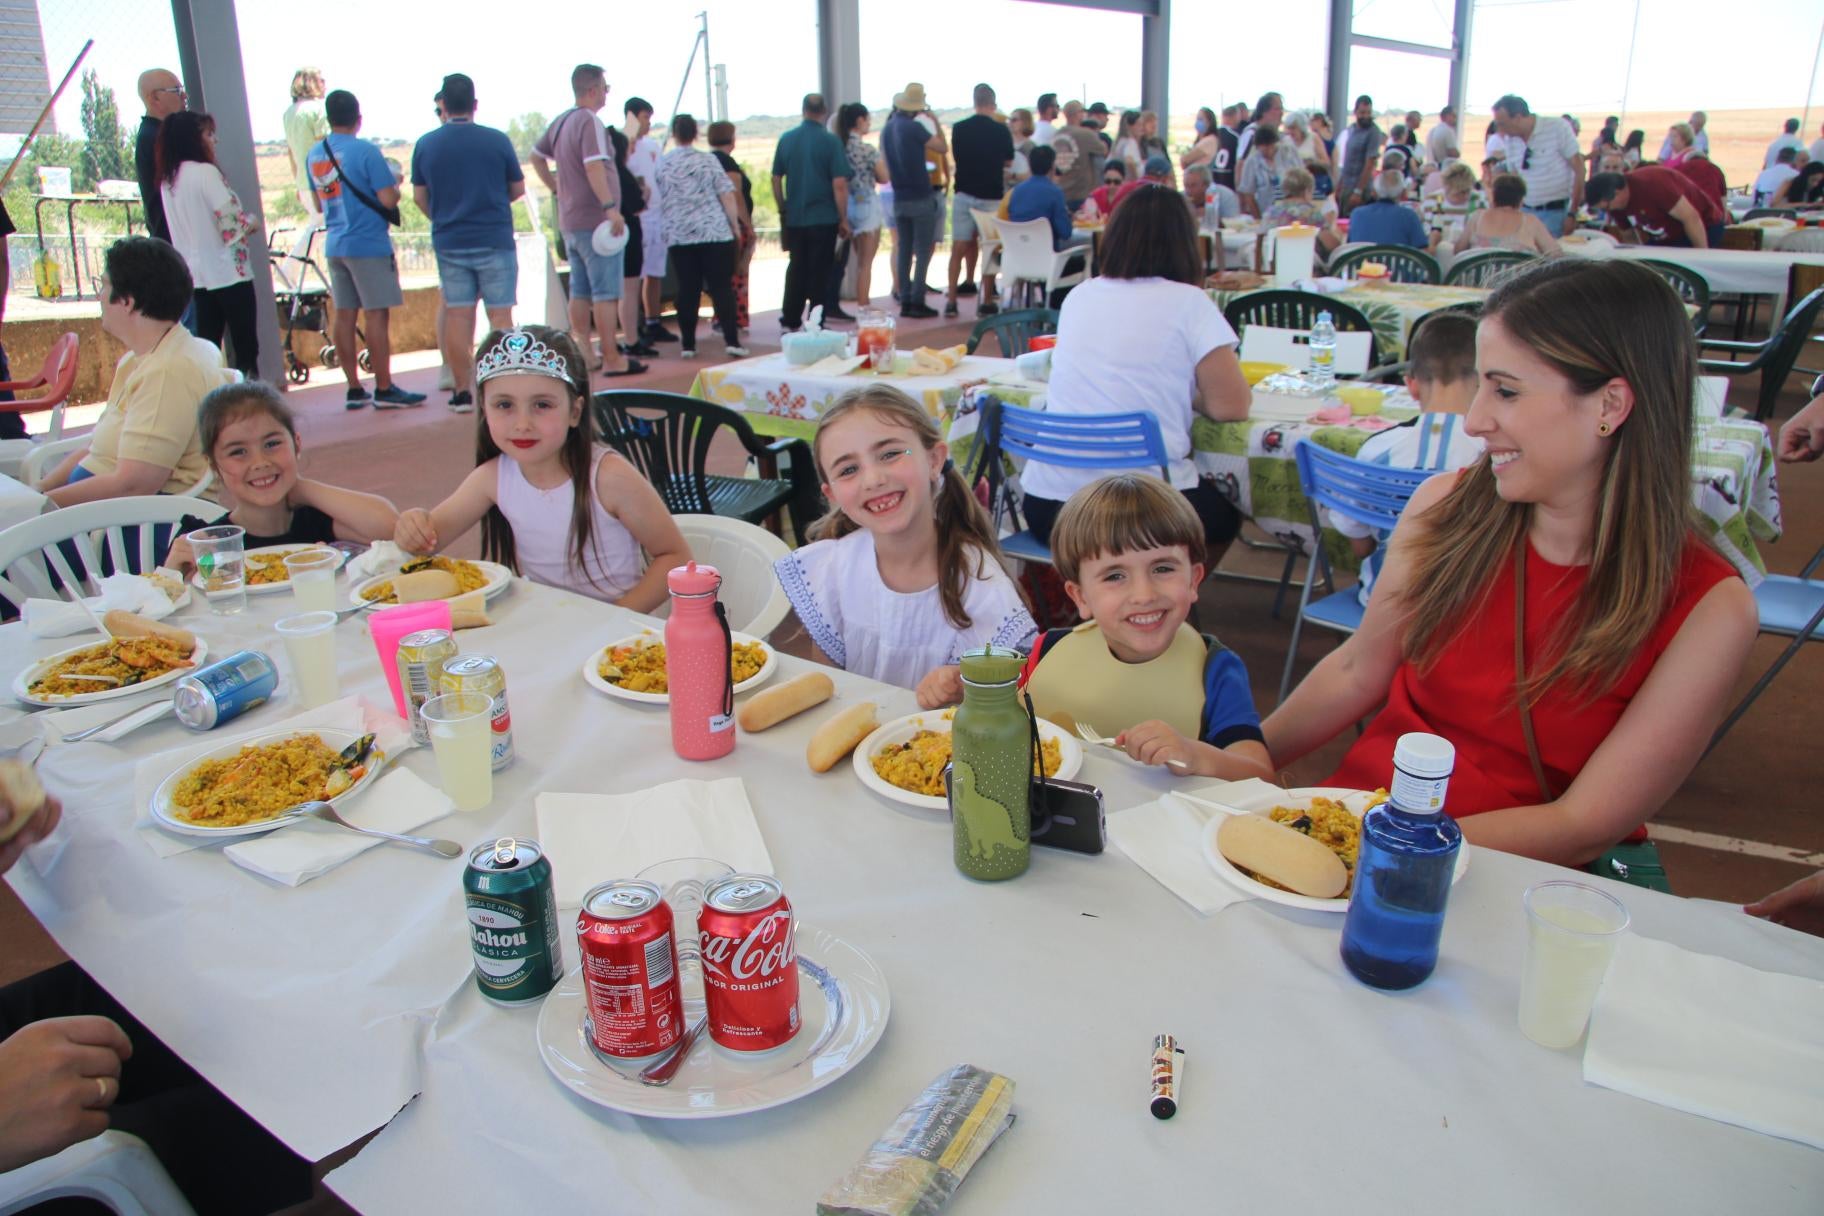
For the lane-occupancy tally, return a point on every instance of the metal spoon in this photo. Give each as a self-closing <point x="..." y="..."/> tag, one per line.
<point x="662" y="1072"/>
<point x="326" y="812"/>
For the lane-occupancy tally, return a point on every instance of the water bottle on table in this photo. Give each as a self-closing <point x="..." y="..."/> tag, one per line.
<point x="991" y="768"/>
<point x="699" y="665"/>
<point x="1323" y="352"/>
<point x="1403" y="869"/>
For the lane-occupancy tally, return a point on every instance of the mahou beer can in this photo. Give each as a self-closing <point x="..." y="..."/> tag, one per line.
<point x="630" y="969"/>
<point x="750" y="963"/>
<point x="512" y="920"/>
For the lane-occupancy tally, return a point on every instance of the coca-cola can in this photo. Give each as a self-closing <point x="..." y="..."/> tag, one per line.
<point x="630" y="969"/>
<point x="750" y="963"/>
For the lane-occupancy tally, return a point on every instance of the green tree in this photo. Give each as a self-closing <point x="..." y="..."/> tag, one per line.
<point x="524" y="132"/>
<point x="105" y="153"/>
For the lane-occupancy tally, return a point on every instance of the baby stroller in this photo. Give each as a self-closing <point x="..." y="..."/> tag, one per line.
<point x="303" y="305"/>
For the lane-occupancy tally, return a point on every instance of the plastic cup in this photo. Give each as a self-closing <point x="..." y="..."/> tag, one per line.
<point x="312" y="573"/>
<point x="1571" y="934"/>
<point x="221" y="566"/>
<point x="461" y="739"/>
<point x="388" y="625"/>
<point x="684" y="879"/>
<point x="310" y="645"/>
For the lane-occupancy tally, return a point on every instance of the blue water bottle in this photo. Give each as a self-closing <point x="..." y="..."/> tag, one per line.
<point x="1403" y="870"/>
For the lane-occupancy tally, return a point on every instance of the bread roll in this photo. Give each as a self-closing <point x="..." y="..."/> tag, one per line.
<point x="124" y="624"/>
<point x="838" y="737"/>
<point x="1290" y="858"/>
<point x="782" y="701"/>
<point x="23" y="795"/>
<point x="469" y="611"/>
<point x="423" y="585"/>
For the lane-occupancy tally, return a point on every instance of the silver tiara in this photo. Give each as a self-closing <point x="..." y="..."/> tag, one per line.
<point x="518" y="352"/>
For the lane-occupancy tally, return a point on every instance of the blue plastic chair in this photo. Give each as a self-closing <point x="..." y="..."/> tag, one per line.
<point x="1075" y="441"/>
<point x="1793" y="608"/>
<point x="1375" y="494"/>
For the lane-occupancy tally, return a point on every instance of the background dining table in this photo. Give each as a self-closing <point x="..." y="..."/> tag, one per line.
<point x="19" y="502"/>
<point x="344" y="1005"/>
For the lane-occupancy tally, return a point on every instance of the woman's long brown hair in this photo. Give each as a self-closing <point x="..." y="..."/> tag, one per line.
<point x="1593" y="321"/>
<point x="577" y="454"/>
<point x="965" y="535"/>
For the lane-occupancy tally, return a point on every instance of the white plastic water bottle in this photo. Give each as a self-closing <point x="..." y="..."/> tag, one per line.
<point x="1323" y="352"/>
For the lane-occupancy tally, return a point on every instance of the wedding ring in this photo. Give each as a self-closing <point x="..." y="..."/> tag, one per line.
<point x="101" y="1083"/>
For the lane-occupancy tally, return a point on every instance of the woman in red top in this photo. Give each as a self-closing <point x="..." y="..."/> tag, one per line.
<point x="1635" y="630"/>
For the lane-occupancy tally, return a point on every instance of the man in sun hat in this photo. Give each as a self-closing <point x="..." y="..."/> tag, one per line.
<point x="915" y="201"/>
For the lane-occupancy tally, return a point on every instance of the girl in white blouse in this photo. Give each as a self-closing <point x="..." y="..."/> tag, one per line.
<point x="904" y="574"/>
<point x="210" y="228"/>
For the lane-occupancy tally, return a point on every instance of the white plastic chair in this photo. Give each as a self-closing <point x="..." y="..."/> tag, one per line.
<point x="114" y="1168"/>
<point x="744" y="554"/>
<point x="46" y="456"/>
<point x="1801" y="240"/>
<point x="1265" y="344"/>
<point x="1027" y="257"/>
<point x="30" y="551"/>
<point x="988" y="233"/>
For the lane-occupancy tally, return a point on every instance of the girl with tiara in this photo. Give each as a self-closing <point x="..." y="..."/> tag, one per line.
<point x="904" y="574"/>
<point x="552" y="503"/>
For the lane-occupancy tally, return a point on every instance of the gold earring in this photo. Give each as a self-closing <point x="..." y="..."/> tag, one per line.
<point x="1603" y="429"/>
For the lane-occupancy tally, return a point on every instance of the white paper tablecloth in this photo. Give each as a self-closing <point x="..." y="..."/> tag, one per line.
<point x="1754" y="272"/>
<point x="18" y="502"/>
<point x="322" y="1009"/>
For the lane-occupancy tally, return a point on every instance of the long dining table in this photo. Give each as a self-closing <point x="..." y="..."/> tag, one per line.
<point x="345" y="1005"/>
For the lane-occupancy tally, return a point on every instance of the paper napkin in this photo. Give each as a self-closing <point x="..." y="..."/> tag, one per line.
<point x="400" y="802"/>
<point x="129" y="592"/>
<point x="1164" y="837"/>
<point x="591" y="838"/>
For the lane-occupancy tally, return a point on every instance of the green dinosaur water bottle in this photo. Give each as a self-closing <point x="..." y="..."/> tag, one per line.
<point x="991" y="768"/>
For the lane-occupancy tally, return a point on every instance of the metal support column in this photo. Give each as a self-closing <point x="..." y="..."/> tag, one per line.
<point x="1336" y="70"/>
<point x="1156" y="61"/>
<point x="839" y="51"/>
<point x="209" y="51"/>
<point x="1459" y="60"/>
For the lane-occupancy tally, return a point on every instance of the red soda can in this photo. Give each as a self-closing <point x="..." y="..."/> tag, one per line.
<point x="630" y="969"/>
<point x="750" y="963"/>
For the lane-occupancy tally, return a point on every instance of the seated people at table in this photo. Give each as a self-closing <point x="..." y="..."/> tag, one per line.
<point x="74" y="1063"/>
<point x="1441" y="377"/>
<point x="1457" y="191"/>
<point x="1771" y="180"/>
<point x="252" y="441"/>
<point x="1577" y="529"/>
<point x="146" y="440"/>
<point x="1040" y="198"/>
<point x="1258" y="181"/>
<point x="1296" y="206"/>
<point x="1114" y="176"/>
<point x="552" y="503"/>
<point x="904" y="574"/>
<point x="1658" y="206"/>
<point x="1504" y="225"/>
<point x="1130" y="550"/>
<point x="1805" y="189"/>
<point x="1388" y="220"/>
<point x="1158" y="172"/>
<point x="1143" y="335"/>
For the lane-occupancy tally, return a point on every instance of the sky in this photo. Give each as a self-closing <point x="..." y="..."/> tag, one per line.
<point x="1559" y="54"/>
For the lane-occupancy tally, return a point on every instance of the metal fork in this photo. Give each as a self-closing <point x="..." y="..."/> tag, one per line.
<point x="327" y="813"/>
<point x="662" y="1072"/>
<point x="1088" y="735"/>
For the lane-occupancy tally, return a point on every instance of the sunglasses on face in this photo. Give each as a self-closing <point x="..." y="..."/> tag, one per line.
<point x="174" y="88"/>
<point x="1111" y="181"/>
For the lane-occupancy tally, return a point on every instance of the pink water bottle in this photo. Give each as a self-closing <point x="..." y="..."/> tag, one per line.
<point x="699" y="665"/>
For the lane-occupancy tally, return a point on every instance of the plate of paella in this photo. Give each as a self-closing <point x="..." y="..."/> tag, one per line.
<point x="246" y="786"/>
<point x="106" y="671"/>
<point x="266" y="573"/>
<point x="489" y="578"/>
<point x="904" y="759"/>
<point x="633" y="668"/>
<point x="1330" y="816"/>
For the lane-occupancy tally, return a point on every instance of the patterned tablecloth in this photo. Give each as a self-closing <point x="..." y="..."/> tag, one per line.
<point x="1391" y="308"/>
<point x="780" y="399"/>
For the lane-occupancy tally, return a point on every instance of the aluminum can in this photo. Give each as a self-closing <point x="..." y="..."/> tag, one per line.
<point x="630" y="969"/>
<point x="224" y="690"/>
<point x="421" y="659"/>
<point x="481" y="673"/>
<point x="513" y="926"/>
<point x="750" y="962"/>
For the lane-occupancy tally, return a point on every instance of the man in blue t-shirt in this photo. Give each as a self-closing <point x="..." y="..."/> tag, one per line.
<point x="1387" y="220"/>
<point x="354" y="186"/>
<point x="465" y="177"/>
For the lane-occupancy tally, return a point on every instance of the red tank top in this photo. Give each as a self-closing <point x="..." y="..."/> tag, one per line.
<point x="1468" y="695"/>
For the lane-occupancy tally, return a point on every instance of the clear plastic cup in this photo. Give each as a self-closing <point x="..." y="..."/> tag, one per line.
<point x="1571" y="934"/>
<point x="461" y="739"/>
<point x="312" y="573"/>
<point x="684" y="879"/>
<point x="310" y="645"/>
<point x="221" y="566"/>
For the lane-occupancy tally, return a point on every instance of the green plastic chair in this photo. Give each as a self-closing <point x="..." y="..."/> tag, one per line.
<point x="1014" y="330"/>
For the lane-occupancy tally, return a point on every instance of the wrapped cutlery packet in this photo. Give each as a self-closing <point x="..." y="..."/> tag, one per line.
<point x="922" y="1159"/>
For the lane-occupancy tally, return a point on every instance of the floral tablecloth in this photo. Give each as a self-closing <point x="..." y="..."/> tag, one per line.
<point x="1391" y="308"/>
<point x="780" y="399"/>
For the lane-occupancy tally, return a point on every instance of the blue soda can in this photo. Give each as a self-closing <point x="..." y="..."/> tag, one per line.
<point x="224" y="690"/>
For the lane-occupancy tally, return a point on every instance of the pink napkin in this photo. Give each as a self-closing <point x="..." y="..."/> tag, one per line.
<point x="1340" y="415"/>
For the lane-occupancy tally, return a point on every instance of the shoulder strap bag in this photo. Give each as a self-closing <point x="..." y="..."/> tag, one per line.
<point x="389" y="214"/>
